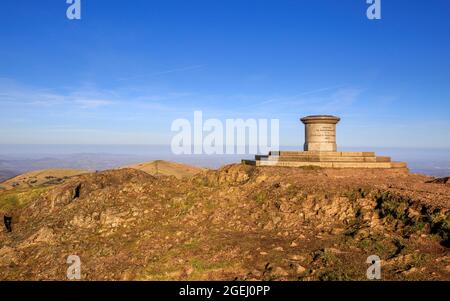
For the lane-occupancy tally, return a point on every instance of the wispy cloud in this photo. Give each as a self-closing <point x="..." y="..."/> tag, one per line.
<point x="164" y="72"/>
<point x="90" y="97"/>
<point x="92" y="103"/>
<point x="34" y="98"/>
<point x="317" y="101"/>
<point x="21" y="95"/>
<point x="300" y="95"/>
<point x="342" y="98"/>
<point x="140" y="100"/>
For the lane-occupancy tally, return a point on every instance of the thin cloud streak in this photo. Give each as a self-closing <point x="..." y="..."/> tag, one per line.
<point x="300" y="94"/>
<point x="162" y="72"/>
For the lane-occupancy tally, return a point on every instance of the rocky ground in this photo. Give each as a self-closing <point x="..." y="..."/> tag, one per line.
<point x="239" y="222"/>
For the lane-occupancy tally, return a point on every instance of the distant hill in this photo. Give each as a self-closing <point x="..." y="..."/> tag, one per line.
<point x="166" y="168"/>
<point x="21" y="164"/>
<point x="40" y="177"/>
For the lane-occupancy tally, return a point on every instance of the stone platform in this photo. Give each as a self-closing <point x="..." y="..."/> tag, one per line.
<point x="326" y="159"/>
<point x="320" y="150"/>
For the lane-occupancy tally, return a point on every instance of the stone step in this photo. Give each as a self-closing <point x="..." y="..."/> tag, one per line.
<point x="249" y="162"/>
<point x="383" y="159"/>
<point x="399" y="165"/>
<point x="378" y="165"/>
<point x="325" y="159"/>
<point x="322" y="154"/>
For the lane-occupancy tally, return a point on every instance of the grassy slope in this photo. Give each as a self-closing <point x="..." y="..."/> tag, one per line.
<point x="39" y="177"/>
<point x="166" y="168"/>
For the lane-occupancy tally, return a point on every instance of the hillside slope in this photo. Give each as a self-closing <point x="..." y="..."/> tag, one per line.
<point x="239" y="222"/>
<point x="167" y="168"/>
<point x="39" y="177"/>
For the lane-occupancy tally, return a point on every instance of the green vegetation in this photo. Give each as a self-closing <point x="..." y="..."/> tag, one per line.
<point x="201" y="266"/>
<point x="261" y="197"/>
<point x="355" y="225"/>
<point x="183" y="205"/>
<point x="326" y="257"/>
<point x="335" y="276"/>
<point x="376" y="243"/>
<point x="16" y="199"/>
<point x="394" y="207"/>
<point x="355" y="194"/>
<point x="440" y="224"/>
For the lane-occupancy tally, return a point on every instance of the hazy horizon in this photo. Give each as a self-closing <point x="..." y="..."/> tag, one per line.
<point x="22" y="158"/>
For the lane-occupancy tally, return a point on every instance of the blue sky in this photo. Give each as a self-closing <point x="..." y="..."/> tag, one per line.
<point x="127" y="69"/>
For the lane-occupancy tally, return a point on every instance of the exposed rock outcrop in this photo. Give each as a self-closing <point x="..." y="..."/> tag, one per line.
<point x="239" y="222"/>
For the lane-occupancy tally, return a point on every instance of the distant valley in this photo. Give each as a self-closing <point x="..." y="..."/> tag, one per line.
<point x="16" y="159"/>
<point x="6" y="174"/>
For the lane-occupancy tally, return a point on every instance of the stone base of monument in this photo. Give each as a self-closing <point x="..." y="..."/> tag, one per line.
<point x="326" y="160"/>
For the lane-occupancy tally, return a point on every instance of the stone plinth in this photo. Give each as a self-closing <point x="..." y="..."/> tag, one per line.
<point x="366" y="160"/>
<point x="320" y="133"/>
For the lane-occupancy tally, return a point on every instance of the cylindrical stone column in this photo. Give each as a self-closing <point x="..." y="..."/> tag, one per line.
<point x="320" y="133"/>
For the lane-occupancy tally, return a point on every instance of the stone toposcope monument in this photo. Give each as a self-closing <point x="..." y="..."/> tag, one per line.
<point x="320" y="133"/>
<point x="320" y="150"/>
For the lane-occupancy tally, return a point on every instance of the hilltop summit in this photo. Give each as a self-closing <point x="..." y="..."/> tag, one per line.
<point x="167" y="168"/>
<point x="238" y="222"/>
